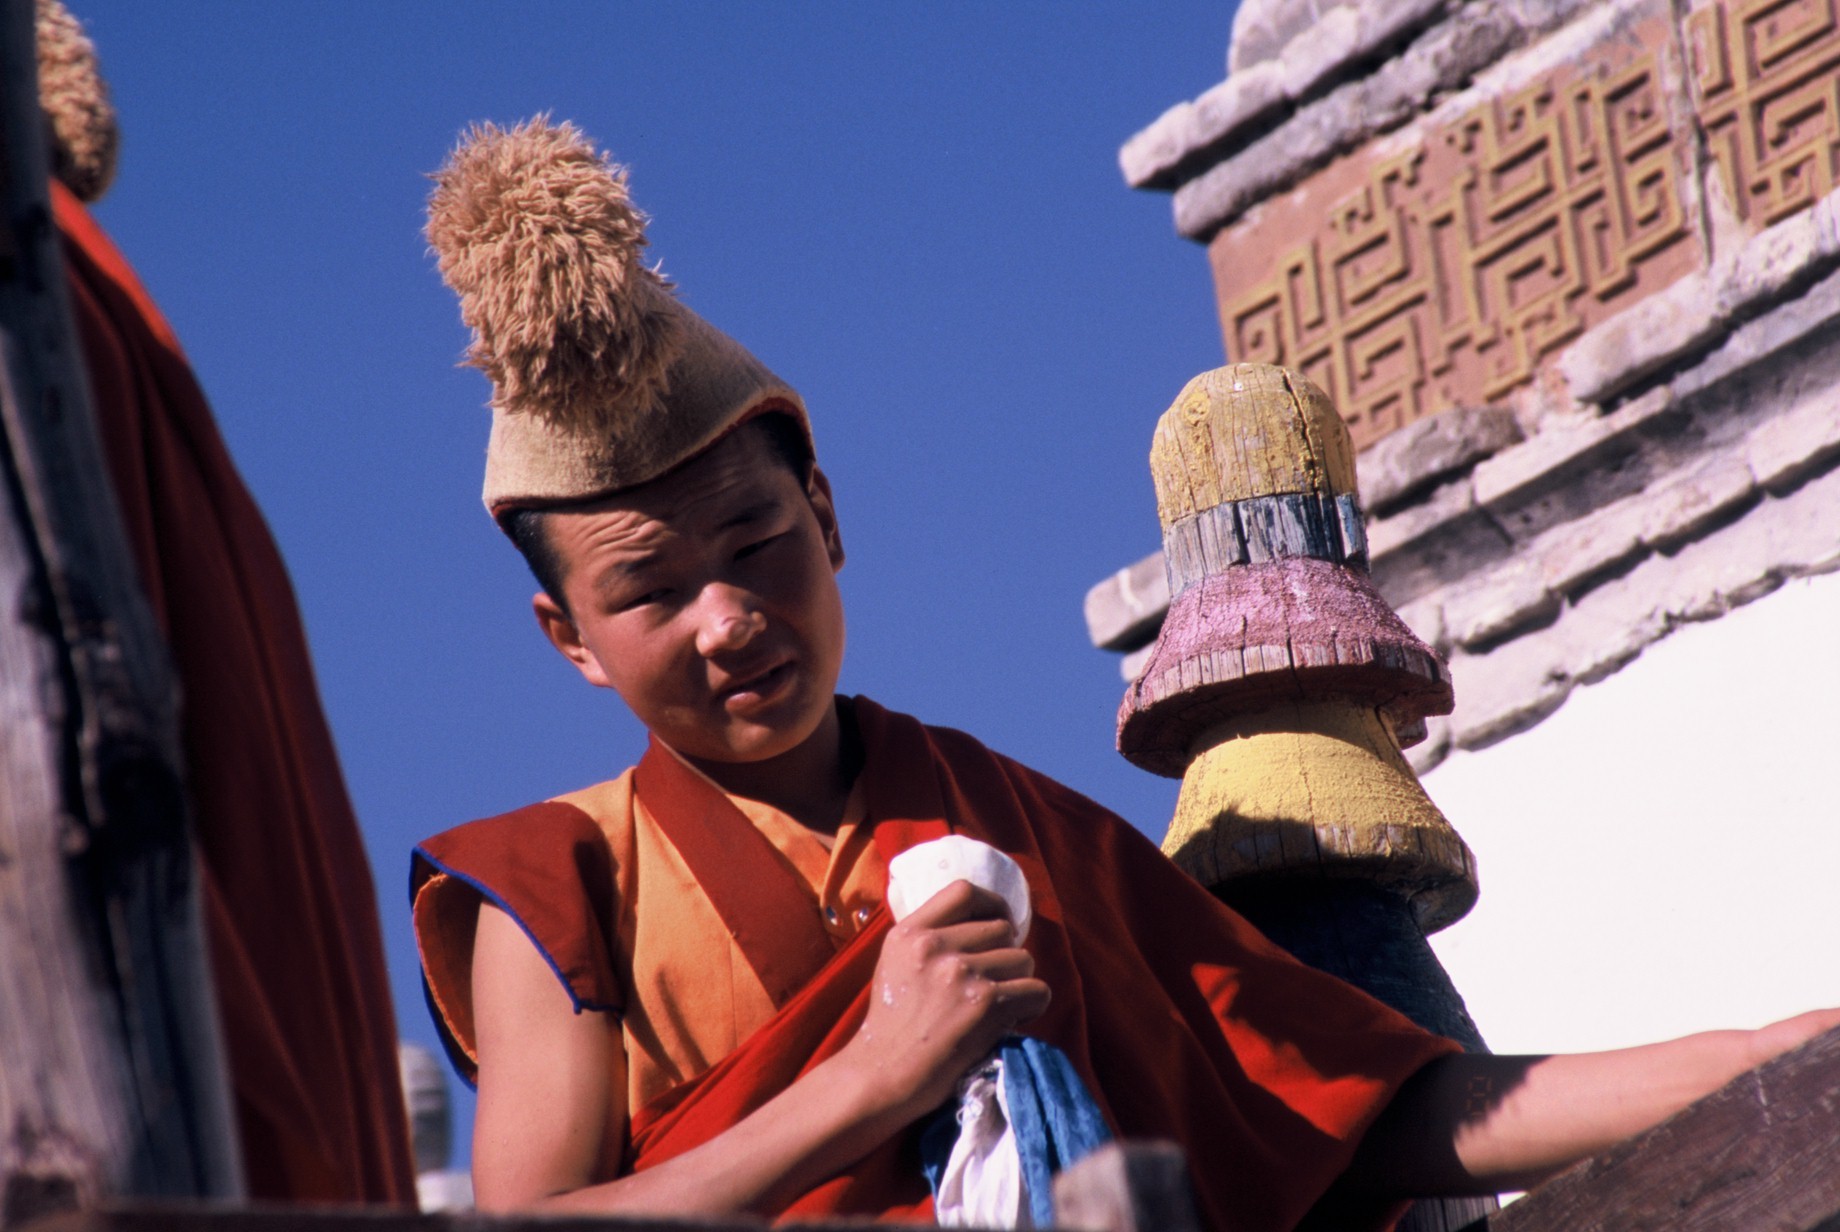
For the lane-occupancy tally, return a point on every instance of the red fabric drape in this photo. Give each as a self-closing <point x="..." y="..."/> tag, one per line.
<point x="1184" y="1021"/>
<point x="291" y="917"/>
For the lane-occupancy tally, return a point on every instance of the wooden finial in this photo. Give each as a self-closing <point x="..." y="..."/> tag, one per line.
<point x="1246" y="431"/>
<point x="1282" y="683"/>
<point x="1266" y="552"/>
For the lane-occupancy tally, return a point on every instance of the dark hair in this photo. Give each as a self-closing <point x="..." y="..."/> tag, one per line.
<point x="525" y="526"/>
<point x="786" y="442"/>
<point x="786" y="438"/>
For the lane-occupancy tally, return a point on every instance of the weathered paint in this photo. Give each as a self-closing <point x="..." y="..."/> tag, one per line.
<point x="1318" y="789"/>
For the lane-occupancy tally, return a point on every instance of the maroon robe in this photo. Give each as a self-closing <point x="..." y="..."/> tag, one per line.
<point x="290" y="913"/>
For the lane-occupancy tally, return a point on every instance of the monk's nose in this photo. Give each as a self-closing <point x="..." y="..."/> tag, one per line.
<point x="729" y="624"/>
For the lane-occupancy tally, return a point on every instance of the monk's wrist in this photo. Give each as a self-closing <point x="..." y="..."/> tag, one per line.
<point x="873" y="1099"/>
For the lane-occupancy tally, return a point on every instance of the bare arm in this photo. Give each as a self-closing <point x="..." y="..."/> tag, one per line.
<point x="1482" y="1124"/>
<point x="551" y="1081"/>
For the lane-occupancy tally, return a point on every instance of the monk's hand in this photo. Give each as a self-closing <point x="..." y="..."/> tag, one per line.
<point x="950" y="983"/>
<point x="1768" y="1043"/>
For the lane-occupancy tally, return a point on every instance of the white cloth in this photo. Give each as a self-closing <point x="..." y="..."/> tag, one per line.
<point x="923" y="871"/>
<point x="982" y="1185"/>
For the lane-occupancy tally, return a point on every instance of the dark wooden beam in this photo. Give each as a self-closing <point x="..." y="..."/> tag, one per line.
<point x="1121" y="1187"/>
<point x="1128" y="1187"/>
<point x="111" y="1073"/>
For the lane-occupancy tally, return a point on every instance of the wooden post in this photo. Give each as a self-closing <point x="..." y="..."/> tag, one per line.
<point x="1280" y="690"/>
<point x="112" y="1080"/>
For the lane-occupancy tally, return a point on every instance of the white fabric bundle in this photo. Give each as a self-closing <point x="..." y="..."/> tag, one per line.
<point x="982" y="1185"/>
<point x="921" y="872"/>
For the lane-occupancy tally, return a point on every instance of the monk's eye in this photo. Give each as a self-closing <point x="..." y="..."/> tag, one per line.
<point x="755" y="547"/>
<point x="648" y="599"/>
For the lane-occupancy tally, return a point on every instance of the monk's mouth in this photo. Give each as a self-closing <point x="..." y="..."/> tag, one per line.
<point x="762" y="688"/>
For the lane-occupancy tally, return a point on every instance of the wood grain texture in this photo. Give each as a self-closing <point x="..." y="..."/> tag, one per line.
<point x="1290" y="630"/>
<point x="1318" y="791"/>
<point x="111" y="1075"/>
<point x="1275" y="649"/>
<point x="1127" y="1187"/>
<point x="1243" y="431"/>
<point x="1261" y="529"/>
<point x="1761" y="1153"/>
<point x="61" y="1075"/>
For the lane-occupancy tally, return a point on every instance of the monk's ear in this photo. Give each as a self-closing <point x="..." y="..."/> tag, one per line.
<point x="818" y="492"/>
<point x="560" y="628"/>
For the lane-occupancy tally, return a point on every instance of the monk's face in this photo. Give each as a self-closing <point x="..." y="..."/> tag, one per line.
<point x="707" y="599"/>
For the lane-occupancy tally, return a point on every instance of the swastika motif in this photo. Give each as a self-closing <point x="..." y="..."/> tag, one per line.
<point x="1452" y="268"/>
<point x="1766" y="84"/>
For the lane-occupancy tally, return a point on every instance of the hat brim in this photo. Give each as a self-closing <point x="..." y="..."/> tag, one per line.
<point x="534" y="462"/>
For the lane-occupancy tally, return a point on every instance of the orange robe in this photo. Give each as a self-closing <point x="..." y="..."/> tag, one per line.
<point x="290" y="912"/>
<point x="1182" y="1019"/>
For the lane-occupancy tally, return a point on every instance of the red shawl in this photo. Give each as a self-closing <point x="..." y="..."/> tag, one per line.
<point x="290" y="913"/>
<point x="1184" y="1021"/>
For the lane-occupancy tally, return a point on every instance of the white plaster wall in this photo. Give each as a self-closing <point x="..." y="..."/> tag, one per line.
<point x="1662" y="855"/>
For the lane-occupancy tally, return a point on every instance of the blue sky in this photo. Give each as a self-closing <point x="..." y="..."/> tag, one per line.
<point x="914" y="214"/>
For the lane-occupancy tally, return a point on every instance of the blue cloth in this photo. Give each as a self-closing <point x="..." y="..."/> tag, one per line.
<point x="1053" y="1116"/>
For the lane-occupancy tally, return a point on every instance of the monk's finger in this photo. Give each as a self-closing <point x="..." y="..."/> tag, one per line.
<point x="1767" y="1043"/>
<point x="977" y="936"/>
<point x="1018" y="1001"/>
<point x="997" y="966"/>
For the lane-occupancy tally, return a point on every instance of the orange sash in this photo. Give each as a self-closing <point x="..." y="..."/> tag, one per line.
<point x="822" y="993"/>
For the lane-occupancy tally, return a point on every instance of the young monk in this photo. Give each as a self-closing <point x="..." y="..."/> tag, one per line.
<point x="680" y="990"/>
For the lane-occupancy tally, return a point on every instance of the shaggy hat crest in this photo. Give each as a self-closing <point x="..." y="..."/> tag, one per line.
<point x="536" y="232"/>
<point x="601" y="378"/>
<point x="75" y="100"/>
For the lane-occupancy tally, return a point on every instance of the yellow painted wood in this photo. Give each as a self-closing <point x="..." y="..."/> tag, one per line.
<point x="1247" y="430"/>
<point x="1318" y="789"/>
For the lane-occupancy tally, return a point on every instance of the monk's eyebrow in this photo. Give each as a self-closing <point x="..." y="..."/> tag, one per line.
<point x="757" y="512"/>
<point x="626" y="569"/>
<point x="627" y="566"/>
<point x="640" y="563"/>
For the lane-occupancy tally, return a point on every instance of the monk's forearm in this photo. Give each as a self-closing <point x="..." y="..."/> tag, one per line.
<point x="1524" y="1120"/>
<point x="818" y="1126"/>
<point x="1483" y="1124"/>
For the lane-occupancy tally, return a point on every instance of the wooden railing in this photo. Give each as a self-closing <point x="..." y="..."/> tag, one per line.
<point x="1760" y="1155"/>
<point x="1135" y="1187"/>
